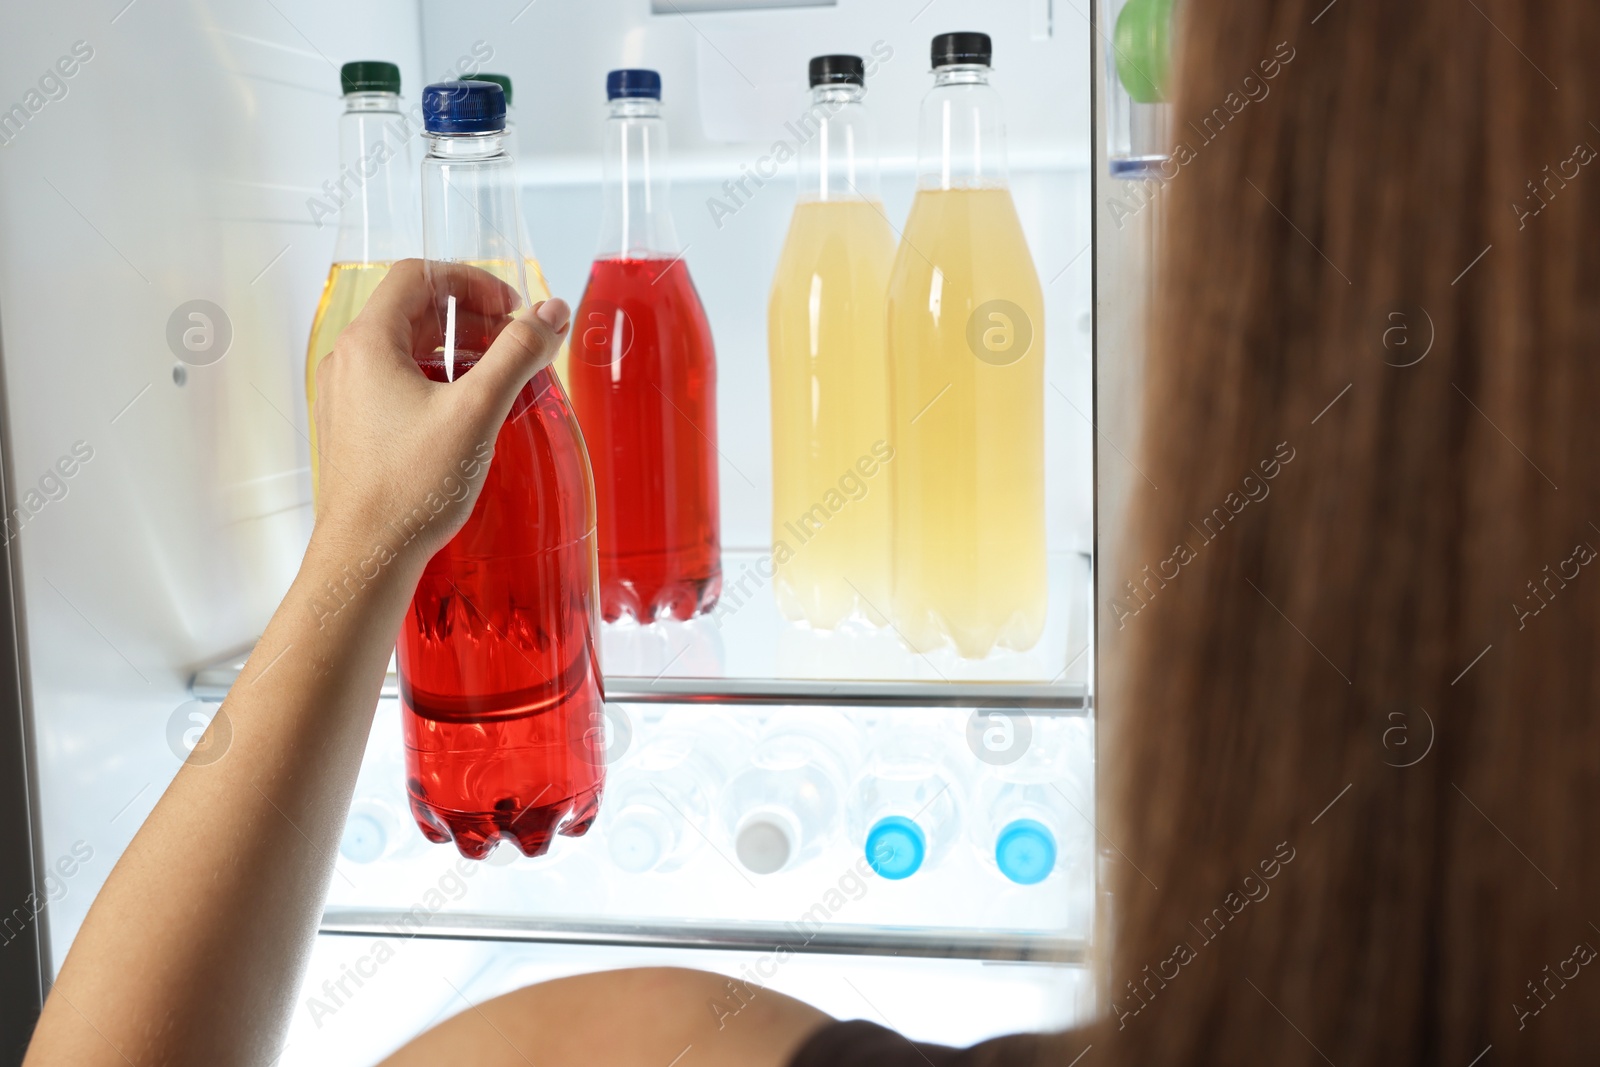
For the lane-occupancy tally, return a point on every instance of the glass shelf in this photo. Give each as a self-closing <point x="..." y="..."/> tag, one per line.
<point x="748" y="653"/>
<point x="923" y="942"/>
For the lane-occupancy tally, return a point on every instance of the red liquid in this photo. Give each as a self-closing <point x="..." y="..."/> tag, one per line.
<point x="644" y="384"/>
<point x="499" y="671"/>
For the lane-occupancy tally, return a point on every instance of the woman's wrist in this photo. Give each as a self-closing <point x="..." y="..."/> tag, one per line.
<point x="345" y="570"/>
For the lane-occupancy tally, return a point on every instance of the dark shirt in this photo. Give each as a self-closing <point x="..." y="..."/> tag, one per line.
<point x="866" y="1044"/>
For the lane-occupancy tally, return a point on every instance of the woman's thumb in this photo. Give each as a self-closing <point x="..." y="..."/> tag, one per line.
<point x="526" y="345"/>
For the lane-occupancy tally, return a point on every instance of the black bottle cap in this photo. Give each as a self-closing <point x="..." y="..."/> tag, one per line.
<point x="953" y="49"/>
<point x="838" y="70"/>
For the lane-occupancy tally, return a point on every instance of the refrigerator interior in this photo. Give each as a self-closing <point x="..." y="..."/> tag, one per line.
<point x="180" y="162"/>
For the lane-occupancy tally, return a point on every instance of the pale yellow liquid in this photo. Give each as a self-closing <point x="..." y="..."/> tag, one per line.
<point x="968" y="514"/>
<point x="830" y="407"/>
<point x="343" y="296"/>
<point x="539" y="289"/>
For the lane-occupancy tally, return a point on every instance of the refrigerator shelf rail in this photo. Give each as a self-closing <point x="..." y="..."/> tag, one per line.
<point x="212" y="683"/>
<point x="929" y="943"/>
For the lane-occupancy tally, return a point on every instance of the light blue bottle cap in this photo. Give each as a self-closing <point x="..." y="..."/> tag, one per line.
<point x="364" y="839"/>
<point x="896" y="847"/>
<point x="1025" y="851"/>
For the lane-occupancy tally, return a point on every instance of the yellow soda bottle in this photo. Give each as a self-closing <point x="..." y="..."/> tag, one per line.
<point x="374" y="196"/>
<point x="966" y="365"/>
<point x="825" y="340"/>
<point x="538" y="288"/>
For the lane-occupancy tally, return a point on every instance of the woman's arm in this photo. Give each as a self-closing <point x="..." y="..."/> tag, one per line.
<point x="193" y="950"/>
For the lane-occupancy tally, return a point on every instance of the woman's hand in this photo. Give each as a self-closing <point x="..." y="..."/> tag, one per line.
<point x="402" y="457"/>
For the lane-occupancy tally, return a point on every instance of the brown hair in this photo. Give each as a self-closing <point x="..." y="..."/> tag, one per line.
<point x="1351" y="747"/>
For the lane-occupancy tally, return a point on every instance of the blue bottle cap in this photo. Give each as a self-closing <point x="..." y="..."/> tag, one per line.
<point x="896" y="847"/>
<point x="364" y="839"/>
<point x="1025" y="851"/>
<point x="464" y="107"/>
<point x="633" y="82"/>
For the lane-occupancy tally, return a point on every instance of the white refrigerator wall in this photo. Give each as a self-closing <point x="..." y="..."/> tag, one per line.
<point x="176" y="164"/>
<point x="173" y="165"/>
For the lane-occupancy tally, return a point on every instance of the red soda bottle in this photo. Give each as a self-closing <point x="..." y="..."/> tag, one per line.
<point x="500" y="681"/>
<point x="644" y="382"/>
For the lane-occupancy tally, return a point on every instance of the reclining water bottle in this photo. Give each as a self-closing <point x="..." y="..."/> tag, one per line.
<point x="1031" y="830"/>
<point x="376" y="830"/>
<point x="905" y="809"/>
<point x="379" y="827"/>
<point x="499" y="680"/>
<point x="659" y="800"/>
<point x="785" y="806"/>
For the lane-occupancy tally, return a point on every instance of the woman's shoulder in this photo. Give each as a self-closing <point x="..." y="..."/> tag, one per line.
<point x="847" y="1044"/>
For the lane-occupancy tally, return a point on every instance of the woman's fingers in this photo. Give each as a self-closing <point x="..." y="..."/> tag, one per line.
<point x="474" y="333"/>
<point x="527" y="344"/>
<point x="414" y="297"/>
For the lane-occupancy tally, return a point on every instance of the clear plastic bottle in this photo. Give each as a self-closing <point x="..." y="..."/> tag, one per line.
<point x="643" y="377"/>
<point x="379" y="827"/>
<point x="966" y="372"/>
<point x="538" y="287"/>
<point x="905" y="808"/>
<point x="829" y="370"/>
<point x="378" y="830"/>
<point x="788" y="803"/>
<point x="1031" y="830"/>
<point x="375" y="198"/>
<point x="499" y="679"/>
<point x="661" y="800"/>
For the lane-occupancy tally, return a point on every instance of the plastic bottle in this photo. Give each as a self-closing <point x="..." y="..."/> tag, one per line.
<point x="829" y="370"/>
<point x="788" y="803"/>
<point x="643" y="381"/>
<point x="377" y="830"/>
<point x="966" y="358"/>
<point x="499" y="681"/>
<point x="1030" y="831"/>
<point x="660" y="802"/>
<point x="538" y="287"/>
<point x="905" y="809"/>
<point x="373" y="193"/>
<point x="379" y="827"/>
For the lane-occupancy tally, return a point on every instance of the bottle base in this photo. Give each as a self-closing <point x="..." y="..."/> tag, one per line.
<point x="926" y="632"/>
<point x="531" y="830"/>
<point x="680" y="600"/>
<point x="827" y="609"/>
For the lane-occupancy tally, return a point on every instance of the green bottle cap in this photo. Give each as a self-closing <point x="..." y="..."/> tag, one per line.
<point x="369" y="76"/>
<point x="502" y="80"/>
<point x="1143" y="46"/>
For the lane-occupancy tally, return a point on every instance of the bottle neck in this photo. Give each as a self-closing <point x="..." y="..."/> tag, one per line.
<point x="480" y="149"/>
<point x="469" y="211"/>
<point x="637" y="218"/>
<point x="372" y="190"/>
<point x="839" y="152"/>
<point x="962" y="135"/>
